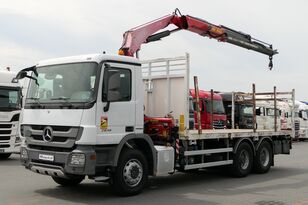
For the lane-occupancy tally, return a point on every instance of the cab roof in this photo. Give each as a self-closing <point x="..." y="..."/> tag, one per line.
<point x="6" y="78"/>
<point x="205" y="94"/>
<point x="88" y="58"/>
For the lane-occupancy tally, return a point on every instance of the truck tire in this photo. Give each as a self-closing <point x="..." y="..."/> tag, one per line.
<point x="68" y="181"/>
<point x="264" y="158"/>
<point x="242" y="161"/>
<point x="131" y="174"/>
<point x="5" y="156"/>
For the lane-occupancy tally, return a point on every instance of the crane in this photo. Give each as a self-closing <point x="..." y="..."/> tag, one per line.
<point x="148" y="32"/>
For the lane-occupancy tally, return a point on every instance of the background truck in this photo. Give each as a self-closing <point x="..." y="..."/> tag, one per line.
<point x="10" y="108"/>
<point x="212" y="110"/>
<point x="303" y="120"/>
<point x="243" y="114"/>
<point x="103" y="126"/>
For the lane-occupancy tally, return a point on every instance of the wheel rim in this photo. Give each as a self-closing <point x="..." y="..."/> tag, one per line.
<point x="132" y="172"/>
<point x="264" y="156"/>
<point x="244" y="159"/>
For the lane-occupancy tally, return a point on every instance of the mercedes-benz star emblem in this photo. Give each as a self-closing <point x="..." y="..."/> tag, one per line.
<point x="47" y="134"/>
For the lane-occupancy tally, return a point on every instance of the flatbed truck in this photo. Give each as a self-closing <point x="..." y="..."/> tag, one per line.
<point x="108" y="117"/>
<point x="99" y="132"/>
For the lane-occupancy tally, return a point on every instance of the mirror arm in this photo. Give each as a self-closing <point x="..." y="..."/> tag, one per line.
<point x="106" y="108"/>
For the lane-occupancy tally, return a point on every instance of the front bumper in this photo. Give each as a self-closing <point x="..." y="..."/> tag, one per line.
<point x="58" y="163"/>
<point x="98" y="159"/>
<point x="10" y="147"/>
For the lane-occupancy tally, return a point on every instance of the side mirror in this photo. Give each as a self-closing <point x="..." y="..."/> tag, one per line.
<point x="22" y="74"/>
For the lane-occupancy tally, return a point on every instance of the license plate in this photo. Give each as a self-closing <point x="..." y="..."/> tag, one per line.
<point x="1" y="150"/>
<point x="46" y="157"/>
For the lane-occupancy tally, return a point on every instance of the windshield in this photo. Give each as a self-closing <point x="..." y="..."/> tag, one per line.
<point x="218" y="107"/>
<point x="10" y="99"/>
<point x="247" y="110"/>
<point x="66" y="83"/>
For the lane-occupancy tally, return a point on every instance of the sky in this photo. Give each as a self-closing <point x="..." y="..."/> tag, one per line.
<point x="32" y="30"/>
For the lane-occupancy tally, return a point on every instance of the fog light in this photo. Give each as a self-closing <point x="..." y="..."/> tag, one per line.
<point x="23" y="153"/>
<point x="77" y="159"/>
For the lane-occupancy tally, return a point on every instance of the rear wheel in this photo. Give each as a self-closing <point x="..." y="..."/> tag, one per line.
<point x="264" y="158"/>
<point x="68" y="181"/>
<point x="242" y="161"/>
<point x="5" y="156"/>
<point x="131" y="173"/>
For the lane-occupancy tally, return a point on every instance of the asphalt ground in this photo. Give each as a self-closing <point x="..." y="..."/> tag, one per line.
<point x="286" y="183"/>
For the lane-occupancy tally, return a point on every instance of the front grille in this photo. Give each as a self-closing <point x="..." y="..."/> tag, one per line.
<point x="4" y="145"/>
<point x="54" y="128"/>
<point x="48" y="148"/>
<point x="5" y="132"/>
<point x="218" y="124"/>
<point x="5" y="126"/>
<point x="62" y="136"/>
<point x="296" y="126"/>
<point x="5" y="138"/>
<point x="55" y="139"/>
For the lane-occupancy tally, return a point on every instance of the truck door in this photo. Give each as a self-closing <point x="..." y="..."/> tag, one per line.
<point x="116" y="106"/>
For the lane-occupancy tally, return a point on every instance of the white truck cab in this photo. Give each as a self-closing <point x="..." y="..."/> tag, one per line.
<point x="10" y="108"/>
<point x="303" y="120"/>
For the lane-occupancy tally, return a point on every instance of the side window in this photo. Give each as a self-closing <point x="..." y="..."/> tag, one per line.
<point x="117" y="85"/>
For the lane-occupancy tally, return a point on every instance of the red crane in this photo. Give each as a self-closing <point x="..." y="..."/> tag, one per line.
<point x="133" y="38"/>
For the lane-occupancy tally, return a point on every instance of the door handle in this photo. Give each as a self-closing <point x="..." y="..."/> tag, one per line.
<point x="129" y="129"/>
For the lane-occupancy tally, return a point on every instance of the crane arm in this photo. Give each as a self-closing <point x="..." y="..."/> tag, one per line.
<point x="135" y="37"/>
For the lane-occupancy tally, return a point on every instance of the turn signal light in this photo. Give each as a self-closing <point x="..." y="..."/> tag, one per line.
<point x="121" y="52"/>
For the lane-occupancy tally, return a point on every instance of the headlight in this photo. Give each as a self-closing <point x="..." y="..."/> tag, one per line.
<point x="77" y="159"/>
<point x="23" y="153"/>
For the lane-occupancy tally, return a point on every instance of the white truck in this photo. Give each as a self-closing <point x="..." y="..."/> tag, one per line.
<point x="10" y="108"/>
<point x="105" y="117"/>
<point x="108" y="126"/>
<point x="303" y="120"/>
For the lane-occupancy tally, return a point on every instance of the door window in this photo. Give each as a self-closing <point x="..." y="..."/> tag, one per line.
<point x="117" y="85"/>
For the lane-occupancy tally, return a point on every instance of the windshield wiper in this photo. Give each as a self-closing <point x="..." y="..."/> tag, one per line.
<point x="66" y="99"/>
<point x="37" y="101"/>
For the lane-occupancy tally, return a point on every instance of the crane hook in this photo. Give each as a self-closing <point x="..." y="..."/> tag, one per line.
<point x="270" y="65"/>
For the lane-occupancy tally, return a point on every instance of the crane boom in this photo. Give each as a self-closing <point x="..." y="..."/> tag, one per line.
<point x="135" y="37"/>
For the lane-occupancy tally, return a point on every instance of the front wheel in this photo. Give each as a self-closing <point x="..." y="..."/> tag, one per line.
<point x="131" y="174"/>
<point x="68" y="181"/>
<point x="242" y="161"/>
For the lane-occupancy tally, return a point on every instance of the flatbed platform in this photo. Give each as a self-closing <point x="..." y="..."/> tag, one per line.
<point x="231" y="133"/>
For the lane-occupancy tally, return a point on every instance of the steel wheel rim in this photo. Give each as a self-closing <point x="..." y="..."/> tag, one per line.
<point x="132" y="172"/>
<point x="244" y="159"/>
<point x="264" y="156"/>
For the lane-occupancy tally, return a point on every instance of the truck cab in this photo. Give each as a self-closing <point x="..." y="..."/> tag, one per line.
<point x="243" y="111"/>
<point x="219" y="116"/>
<point x="265" y="112"/>
<point x="10" y="108"/>
<point x="303" y="119"/>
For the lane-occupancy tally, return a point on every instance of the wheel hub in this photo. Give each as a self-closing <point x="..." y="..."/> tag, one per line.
<point x="244" y="159"/>
<point x="264" y="157"/>
<point x="132" y="172"/>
